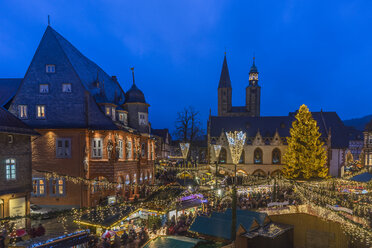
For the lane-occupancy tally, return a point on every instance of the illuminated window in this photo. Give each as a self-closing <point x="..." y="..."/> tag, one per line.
<point x="66" y="88"/>
<point x="40" y="111"/>
<point x="10" y="169"/>
<point x="127" y="180"/>
<point x="107" y="110"/>
<point x="22" y="111"/>
<point x="276" y="156"/>
<point x="63" y="148"/>
<point x="38" y="186"/>
<point x="50" y="68"/>
<point x="44" y="88"/>
<point x="10" y="139"/>
<point x="97" y="148"/>
<point x="134" y="178"/>
<point x="57" y="187"/>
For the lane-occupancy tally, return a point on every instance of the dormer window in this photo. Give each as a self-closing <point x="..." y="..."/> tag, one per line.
<point x="123" y="118"/>
<point x="66" y="88"/>
<point x="142" y="118"/>
<point x="40" y="111"/>
<point x="22" y="111"/>
<point x="44" y="88"/>
<point x="113" y="113"/>
<point x="50" y="68"/>
<point x="108" y="110"/>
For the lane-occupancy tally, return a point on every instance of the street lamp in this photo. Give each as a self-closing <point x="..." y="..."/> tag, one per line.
<point x="185" y="150"/>
<point x="217" y="150"/>
<point x="236" y="142"/>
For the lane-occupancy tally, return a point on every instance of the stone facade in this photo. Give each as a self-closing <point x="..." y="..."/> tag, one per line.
<point x="253" y="94"/>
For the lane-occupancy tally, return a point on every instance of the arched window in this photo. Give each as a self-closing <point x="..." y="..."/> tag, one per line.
<point x="141" y="178"/>
<point x="276" y="156"/>
<point x="127" y="180"/>
<point x="257" y="156"/>
<point x="134" y="178"/>
<point x="223" y="156"/>
<point x="242" y="158"/>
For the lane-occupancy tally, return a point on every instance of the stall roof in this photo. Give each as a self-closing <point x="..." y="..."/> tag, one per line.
<point x="189" y="204"/>
<point x="364" y="177"/>
<point x="106" y="217"/>
<point x="219" y="225"/>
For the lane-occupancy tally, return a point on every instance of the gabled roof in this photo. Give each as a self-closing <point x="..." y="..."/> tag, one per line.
<point x="161" y="133"/>
<point x="8" y="88"/>
<point x="219" y="224"/>
<point x="88" y="71"/>
<point x="225" y="76"/>
<point x="328" y="122"/>
<point x="11" y="124"/>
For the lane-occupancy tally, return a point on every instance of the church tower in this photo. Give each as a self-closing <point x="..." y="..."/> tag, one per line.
<point x="224" y="90"/>
<point x="253" y="92"/>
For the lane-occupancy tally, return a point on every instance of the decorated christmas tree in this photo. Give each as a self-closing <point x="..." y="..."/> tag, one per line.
<point x="305" y="156"/>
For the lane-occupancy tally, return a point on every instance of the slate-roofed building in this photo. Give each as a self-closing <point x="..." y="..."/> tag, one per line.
<point x="163" y="146"/>
<point x="252" y="98"/>
<point x="16" y="171"/>
<point x="90" y="128"/>
<point x="266" y="140"/>
<point x="266" y="135"/>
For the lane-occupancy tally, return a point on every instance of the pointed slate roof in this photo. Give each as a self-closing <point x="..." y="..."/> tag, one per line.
<point x="253" y="67"/>
<point x="88" y="71"/>
<point x="225" y="76"/>
<point x="135" y="95"/>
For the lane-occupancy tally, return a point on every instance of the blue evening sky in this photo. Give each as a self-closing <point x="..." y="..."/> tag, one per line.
<point x="313" y="52"/>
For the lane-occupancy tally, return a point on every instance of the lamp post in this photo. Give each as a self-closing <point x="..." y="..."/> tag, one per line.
<point x="185" y="150"/>
<point x="217" y="150"/>
<point x="236" y="142"/>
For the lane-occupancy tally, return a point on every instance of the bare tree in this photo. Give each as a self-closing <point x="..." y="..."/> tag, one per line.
<point x="188" y="125"/>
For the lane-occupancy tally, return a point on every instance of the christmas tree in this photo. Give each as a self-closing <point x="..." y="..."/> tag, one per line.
<point x="305" y="156"/>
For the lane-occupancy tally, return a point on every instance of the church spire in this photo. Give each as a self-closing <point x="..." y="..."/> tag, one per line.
<point x="225" y="76"/>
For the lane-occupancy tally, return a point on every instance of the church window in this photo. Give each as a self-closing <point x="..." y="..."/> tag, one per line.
<point x="44" y="88"/>
<point x="66" y="88"/>
<point x="241" y="160"/>
<point x="40" y="111"/>
<point x="257" y="156"/>
<point x="276" y="156"/>
<point x="50" y="68"/>
<point x="22" y="111"/>
<point x="223" y="156"/>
